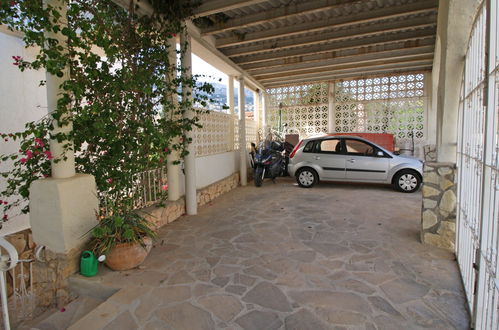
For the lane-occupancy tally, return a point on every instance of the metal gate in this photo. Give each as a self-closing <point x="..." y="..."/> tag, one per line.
<point x="478" y="199"/>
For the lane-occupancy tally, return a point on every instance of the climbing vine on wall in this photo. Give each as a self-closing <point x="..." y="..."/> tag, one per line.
<point x="122" y="93"/>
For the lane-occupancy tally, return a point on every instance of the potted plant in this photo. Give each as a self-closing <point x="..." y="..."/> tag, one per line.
<point x="124" y="238"/>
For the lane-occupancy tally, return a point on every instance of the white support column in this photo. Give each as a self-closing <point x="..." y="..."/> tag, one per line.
<point x="191" y="205"/>
<point x="331" y="127"/>
<point x="65" y="166"/>
<point x="265" y="100"/>
<point x="243" y="172"/>
<point x="230" y="97"/>
<point x="62" y="207"/>
<point x="173" y="170"/>
<point x="256" y="109"/>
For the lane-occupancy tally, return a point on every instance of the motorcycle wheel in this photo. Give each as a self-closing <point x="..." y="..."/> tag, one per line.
<point x="258" y="176"/>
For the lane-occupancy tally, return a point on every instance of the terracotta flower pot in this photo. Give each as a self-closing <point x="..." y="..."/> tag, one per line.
<point x="126" y="256"/>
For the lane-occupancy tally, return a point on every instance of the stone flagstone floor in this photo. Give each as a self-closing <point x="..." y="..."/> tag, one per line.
<point x="337" y="256"/>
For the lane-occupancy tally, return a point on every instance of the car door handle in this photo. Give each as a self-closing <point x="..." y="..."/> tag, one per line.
<point x="317" y="157"/>
<point x="351" y="160"/>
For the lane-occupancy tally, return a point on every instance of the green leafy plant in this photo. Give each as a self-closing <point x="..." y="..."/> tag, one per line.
<point x="128" y="227"/>
<point x="122" y="93"/>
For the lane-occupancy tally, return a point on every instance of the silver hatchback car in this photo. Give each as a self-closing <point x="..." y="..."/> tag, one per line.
<point x="350" y="158"/>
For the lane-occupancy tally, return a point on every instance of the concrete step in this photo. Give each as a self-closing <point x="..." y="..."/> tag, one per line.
<point x="62" y="319"/>
<point x="90" y="294"/>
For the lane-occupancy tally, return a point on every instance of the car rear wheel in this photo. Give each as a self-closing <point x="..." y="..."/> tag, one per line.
<point x="406" y="181"/>
<point x="306" y="177"/>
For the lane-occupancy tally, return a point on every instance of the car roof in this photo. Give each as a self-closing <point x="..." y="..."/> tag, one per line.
<point x="320" y="137"/>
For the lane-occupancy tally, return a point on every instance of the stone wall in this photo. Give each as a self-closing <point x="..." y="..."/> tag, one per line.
<point x="50" y="275"/>
<point x="430" y="153"/>
<point x="438" y="223"/>
<point x="171" y="211"/>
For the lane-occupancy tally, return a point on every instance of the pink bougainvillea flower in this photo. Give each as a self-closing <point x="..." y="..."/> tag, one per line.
<point x="39" y="142"/>
<point x="37" y="152"/>
<point x="29" y="154"/>
<point x="164" y="187"/>
<point x="46" y="175"/>
<point x="5" y="202"/>
<point x="63" y="310"/>
<point x="24" y="160"/>
<point x="17" y="60"/>
<point x="48" y="154"/>
<point x="167" y="150"/>
<point x="109" y="180"/>
<point x="161" y="160"/>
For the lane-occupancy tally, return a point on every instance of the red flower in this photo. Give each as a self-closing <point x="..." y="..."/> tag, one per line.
<point x="48" y="154"/>
<point x="17" y="60"/>
<point x="39" y="142"/>
<point x="5" y="202"/>
<point x="109" y="180"/>
<point x="46" y="175"/>
<point x="29" y="154"/>
<point x="164" y="187"/>
<point x="23" y="160"/>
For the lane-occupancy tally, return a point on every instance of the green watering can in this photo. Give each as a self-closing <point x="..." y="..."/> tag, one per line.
<point x="88" y="264"/>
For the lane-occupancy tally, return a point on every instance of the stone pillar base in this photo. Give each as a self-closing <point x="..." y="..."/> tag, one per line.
<point x="62" y="211"/>
<point x="438" y="223"/>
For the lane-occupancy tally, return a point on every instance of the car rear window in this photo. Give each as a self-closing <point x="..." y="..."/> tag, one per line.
<point x="309" y="146"/>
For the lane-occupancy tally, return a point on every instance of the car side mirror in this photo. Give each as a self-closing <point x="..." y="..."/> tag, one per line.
<point x="380" y="153"/>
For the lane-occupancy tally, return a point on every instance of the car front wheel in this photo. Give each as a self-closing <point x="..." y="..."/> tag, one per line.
<point x="406" y="181"/>
<point x="306" y="178"/>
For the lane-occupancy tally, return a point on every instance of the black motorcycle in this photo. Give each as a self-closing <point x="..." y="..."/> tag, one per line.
<point x="269" y="161"/>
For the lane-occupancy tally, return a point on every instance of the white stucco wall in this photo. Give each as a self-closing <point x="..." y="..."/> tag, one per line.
<point x="213" y="168"/>
<point x="22" y="101"/>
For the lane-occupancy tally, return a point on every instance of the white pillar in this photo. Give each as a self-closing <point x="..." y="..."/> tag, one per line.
<point x="455" y="20"/>
<point x="173" y="170"/>
<point x="65" y="167"/>
<point x="330" y="118"/>
<point x="63" y="207"/>
<point x="243" y="172"/>
<point x="230" y="97"/>
<point x="191" y="205"/>
<point x="265" y="101"/>
<point x="256" y="97"/>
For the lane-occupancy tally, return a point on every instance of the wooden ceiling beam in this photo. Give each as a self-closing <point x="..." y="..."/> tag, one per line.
<point x="210" y="7"/>
<point x="292" y="9"/>
<point x="419" y="7"/>
<point x="352" y="75"/>
<point x="422" y="53"/>
<point x="373" y="30"/>
<point x="338" y="69"/>
<point x="333" y="50"/>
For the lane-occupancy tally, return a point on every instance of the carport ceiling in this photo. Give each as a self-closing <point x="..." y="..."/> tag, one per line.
<point x="279" y="42"/>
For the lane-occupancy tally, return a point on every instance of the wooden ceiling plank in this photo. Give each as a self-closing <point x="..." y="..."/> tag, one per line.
<point x="289" y="10"/>
<point x="381" y="64"/>
<point x="338" y="49"/>
<point x="363" y="31"/>
<point x="210" y="7"/>
<point x="419" y="7"/>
